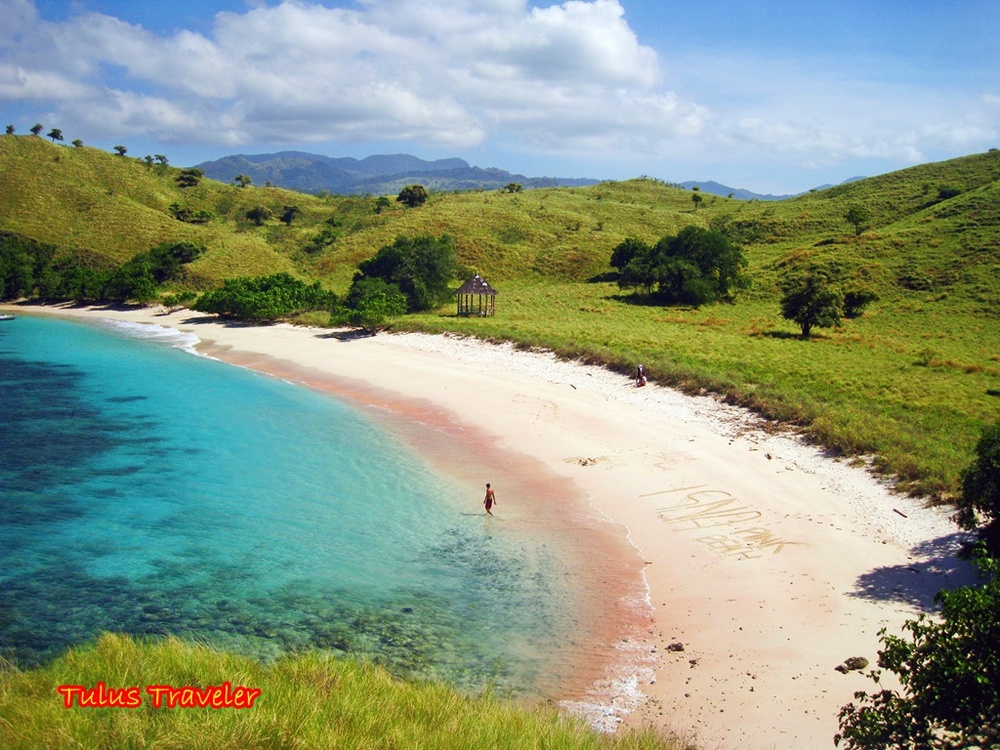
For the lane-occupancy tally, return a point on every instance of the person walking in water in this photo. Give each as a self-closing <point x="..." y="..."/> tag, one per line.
<point x="490" y="500"/>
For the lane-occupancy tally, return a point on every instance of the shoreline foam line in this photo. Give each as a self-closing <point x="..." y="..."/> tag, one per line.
<point x="769" y="562"/>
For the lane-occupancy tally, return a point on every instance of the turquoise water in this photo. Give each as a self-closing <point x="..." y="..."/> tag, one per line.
<point x="150" y="491"/>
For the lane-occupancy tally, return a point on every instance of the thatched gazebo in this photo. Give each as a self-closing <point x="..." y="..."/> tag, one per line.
<point x="476" y="297"/>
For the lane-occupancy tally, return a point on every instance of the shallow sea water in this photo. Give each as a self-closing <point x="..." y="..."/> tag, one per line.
<point x="149" y="491"/>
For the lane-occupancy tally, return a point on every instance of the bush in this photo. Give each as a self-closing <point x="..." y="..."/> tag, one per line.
<point x="697" y="266"/>
<point x="981" y="487"/>
<point x="811" y="301"/>
<point x="949" y="672"/>
<point x="370" y="303"/>
<point x="265" y="298"/>
<point x="421" y="268"/>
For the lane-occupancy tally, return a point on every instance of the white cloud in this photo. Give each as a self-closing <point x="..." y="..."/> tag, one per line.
<point x="454" y="72"/>
<point x="571" y="78"/>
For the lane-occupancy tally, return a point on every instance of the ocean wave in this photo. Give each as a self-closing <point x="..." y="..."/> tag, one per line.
<point x="152" y="331"/>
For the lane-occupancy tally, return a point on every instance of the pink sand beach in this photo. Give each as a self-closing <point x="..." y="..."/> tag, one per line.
<point x="747" y="564"/>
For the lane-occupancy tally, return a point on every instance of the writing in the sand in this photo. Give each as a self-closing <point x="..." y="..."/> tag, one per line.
<point x="734" y="525"/>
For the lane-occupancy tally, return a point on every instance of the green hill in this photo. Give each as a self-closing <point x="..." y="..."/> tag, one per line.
<point x="911" y="382"/>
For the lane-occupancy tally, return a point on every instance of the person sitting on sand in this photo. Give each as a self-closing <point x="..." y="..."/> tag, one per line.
<point x="490" y="500"/>
<point x="640" y="377"/>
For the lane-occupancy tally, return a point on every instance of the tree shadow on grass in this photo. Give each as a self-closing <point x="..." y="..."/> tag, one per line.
<point x="935" y="565"/>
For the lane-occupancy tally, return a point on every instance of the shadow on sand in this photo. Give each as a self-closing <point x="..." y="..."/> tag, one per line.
<point x="935" y="565"/>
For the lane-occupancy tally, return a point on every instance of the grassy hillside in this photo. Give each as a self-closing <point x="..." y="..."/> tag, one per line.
<point x="306" y="702"/>
<point x="914" y="380"/>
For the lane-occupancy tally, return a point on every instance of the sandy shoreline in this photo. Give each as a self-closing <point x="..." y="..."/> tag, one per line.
<point x="769" y="562"/>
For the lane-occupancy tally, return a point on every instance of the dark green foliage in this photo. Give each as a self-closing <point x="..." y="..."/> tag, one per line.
<point x="696" y="267"/>
<point x="55" y="134"/>
<point x="858" y="216"/>
<point x="981" y="487"/>
<point x="22" y="262"/>
<point x="412" y="196"/>
<point x="811" y="301"/>
<point x="948" y="191"/>
<point x="623" y="253"/>
<point x="289" y="213"/>
<point x="77" y="143"/>
<point x="370" y="302"/>
<point x="265" y="298"/>
<point x="140" y="278"/>
<point x="189" y="177"/>
<point x="381" y="204"/>
<point x="421" y="267"/>
<point x="166" y="262"/>
<point x="243" y="180"/>
<point x="259" y="214"/>
<point x="37" y="128"/>
<point x="10" y="130"/>
<point x="131" y="282"/>
<point x="949" y="672"/>
<point x="185" y="214"/>
<point x="32" y="269"/>
<point x="856" y="300"/>
<point x="121" y="150"/>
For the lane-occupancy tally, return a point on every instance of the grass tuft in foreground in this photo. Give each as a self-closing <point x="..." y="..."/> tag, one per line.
<point x="306" y="701"/>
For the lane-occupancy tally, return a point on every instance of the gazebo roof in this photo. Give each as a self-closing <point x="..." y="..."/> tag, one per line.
<point x="477" y="285"/>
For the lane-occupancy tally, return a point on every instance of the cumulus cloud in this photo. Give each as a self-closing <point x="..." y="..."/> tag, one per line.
<point x="451" y="73"/>
<point x="568" y="78"/>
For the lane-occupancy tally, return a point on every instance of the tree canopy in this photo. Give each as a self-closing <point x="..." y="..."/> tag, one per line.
<point x="421" y="267"/>
<point x="980" y="500"/>
<point x="370" y="303"/>
<point x="412" y="196"/>
<point x="265" y="298"/>
<point x="812" y="301"/>
<point x="697" y="266"/>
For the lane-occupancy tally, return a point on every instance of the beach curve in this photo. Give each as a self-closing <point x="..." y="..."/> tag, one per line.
<point x="766" y="563"/>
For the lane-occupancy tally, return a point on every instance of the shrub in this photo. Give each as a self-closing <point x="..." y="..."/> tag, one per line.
<point x="265" y="298"/>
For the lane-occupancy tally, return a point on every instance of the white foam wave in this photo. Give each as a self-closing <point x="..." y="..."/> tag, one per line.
<point x="152" y="331"/>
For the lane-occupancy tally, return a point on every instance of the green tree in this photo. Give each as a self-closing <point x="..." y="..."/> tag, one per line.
<point x="422" y="268"/>
<point x="949" y="672"/>
<point x="980" y="499"/>
<point x="624" y="252"/>
<point x="412" y="196"/>
<point x="858" y="216"/>
<point x="514" y="187"/>
<point x="948" y="191"/>
<point x="131" y="282"/>
<point x="37" y="128"/>
<point x="78" y="143"/>
<point x="259" y="214"/>
<point x="190" y="177"/>
<point x="289" y="213"/>
<point x="856" y="299"/>
<point x="370" y="303"/>
<point x="696" y="267"/>
<point x="811" y="301"/>
<point x="161" y="160"/>
<point x="10" y="130"/>
<point x="381" y="204"/>
<point x="121" y="150"/>
<point x="265" y="298"/>
<point x="696" y="199"/>
<point x="243" y="180"/>
<point x="55" y="134"/>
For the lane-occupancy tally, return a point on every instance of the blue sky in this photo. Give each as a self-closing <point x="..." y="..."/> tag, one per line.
<point x="770" y="95"/>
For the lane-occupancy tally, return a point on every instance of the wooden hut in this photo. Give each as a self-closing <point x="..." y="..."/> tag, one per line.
<point x="476" y="297"/>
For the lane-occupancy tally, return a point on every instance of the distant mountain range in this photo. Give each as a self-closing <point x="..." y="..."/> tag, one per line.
<point x="384" y="174"/>
<point x="387" y="174"/>
<point x="715" y="188"/>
